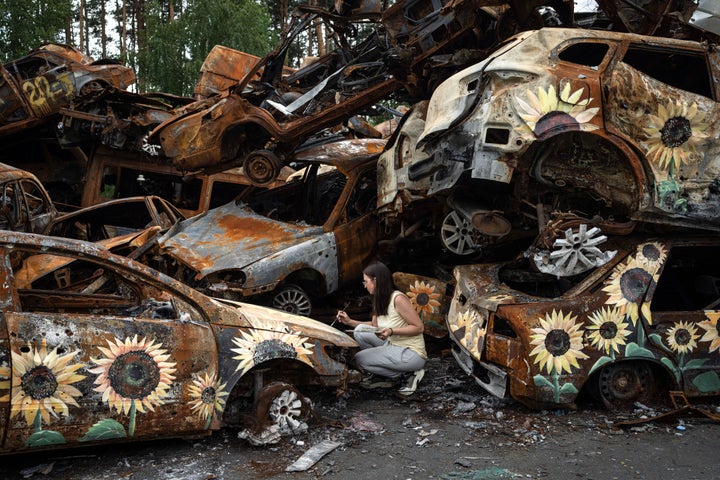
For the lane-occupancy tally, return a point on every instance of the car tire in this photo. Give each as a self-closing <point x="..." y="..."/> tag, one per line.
<point x="292" y="299"/>
<point x="622" y="384"/>
<point x="281" y="408"/>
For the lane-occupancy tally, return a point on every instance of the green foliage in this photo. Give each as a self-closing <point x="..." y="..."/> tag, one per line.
<point x="27" y="24"/>
<point x="175" y="51"/>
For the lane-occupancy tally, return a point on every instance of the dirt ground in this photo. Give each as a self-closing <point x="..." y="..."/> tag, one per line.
<point x="450" y="429"/>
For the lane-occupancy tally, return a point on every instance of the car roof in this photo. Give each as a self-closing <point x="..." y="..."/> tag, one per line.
<point x="8" y="173"/>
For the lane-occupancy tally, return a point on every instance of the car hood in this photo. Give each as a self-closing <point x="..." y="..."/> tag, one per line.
<point x="231" y="237"/>
<point x="265" y="318"/>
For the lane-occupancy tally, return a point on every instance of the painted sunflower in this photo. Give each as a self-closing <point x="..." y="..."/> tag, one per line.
<point x="712" y="330"/>
<point x="608" y="329"/>
<point x="5" y="382"/>
<point x="547" y="109"/>
<point x="207" y="393"/>
<point x="682" y="337"/>
<point x="651" y="255"/>
<point x="627" y="287"/>
<point x="673" y="135"/>
<point x="133" y="374"/>
<point x="423" y="297"/>
<point x="468" y="329"/>
<point x="558" y="343"/>
<point x="42" y="383"/>
<point x="257" y="345"/>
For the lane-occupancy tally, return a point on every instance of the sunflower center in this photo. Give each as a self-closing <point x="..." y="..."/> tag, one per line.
<point x="634" y="283"/>
<point x="651" y="252"/>
<point x="682" y="336"/>
<point x="676" y="131"/>
<point x="208" y="395"/>
<point x="273" y="348"/>
<point x="608" y="330"/>
<point x="554" y="119"/>
<point x="134" y="375"/>
<point x="557" y="342"/>
<point x="422" y="299"/>
<point x="39" y="383"/>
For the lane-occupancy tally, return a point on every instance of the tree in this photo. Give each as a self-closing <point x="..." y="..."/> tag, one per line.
<point x="27" y="24"/>
<point x="175" y="50"/>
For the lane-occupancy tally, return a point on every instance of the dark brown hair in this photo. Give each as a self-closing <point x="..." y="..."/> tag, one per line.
<point x="383" y="286"/>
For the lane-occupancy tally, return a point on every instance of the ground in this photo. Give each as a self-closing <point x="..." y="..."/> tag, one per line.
<point x="450" y="429"/>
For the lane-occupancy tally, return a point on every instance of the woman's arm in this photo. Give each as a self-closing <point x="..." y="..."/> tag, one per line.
<point x="415" y="325"/>
<point x="343" y="317"/>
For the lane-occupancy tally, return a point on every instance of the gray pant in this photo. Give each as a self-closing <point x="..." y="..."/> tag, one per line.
<point x="382" y="358"/>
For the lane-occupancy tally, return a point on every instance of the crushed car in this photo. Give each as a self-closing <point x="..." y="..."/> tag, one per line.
<point x="37" y="86"/>
<point x="131" y="354"/>
<point x="564" y="136"/>
<point x="288" y="246"/>
<point x="258" y="122"/>
<point x="639" y="326"/>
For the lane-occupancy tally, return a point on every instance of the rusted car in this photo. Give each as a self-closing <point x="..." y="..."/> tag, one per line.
<point x="643" y="323"/>
<point x="25" y="206"/>
<point x="290" y="245"/>
<point x="567" y="135"/>
<point x="133" y="355"/>
<point x="37" y="86"/>
<point x="259" y="122"/>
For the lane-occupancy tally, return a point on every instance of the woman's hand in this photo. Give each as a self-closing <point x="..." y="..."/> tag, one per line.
<point x="384" y="333"/>
<point x="342" y="317"/>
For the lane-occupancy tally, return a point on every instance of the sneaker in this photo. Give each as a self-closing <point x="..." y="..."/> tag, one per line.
<point x="371" y="382"/>
<point x="412" y="383"/>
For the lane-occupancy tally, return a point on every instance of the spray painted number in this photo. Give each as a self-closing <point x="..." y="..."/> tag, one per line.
<point x="45" y="96"/>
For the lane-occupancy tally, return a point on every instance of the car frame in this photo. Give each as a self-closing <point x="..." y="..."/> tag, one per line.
<point x="126" y="353"/>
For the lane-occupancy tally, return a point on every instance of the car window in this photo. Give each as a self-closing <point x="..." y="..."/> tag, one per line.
<point x="585" y="53"/>
<point x="684" y="70"/>
<point x="34" y="198"/>
<point x="9" y="207"/>
<point x="86" y="286"/>
<point x="364" y="196"/>
<point x="689" y="281"/>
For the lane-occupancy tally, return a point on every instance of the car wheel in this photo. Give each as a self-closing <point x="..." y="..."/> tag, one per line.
<point x="456" y="234"/>
<point x="280" y="410"/>
<point x="292" y="299"/>
<point x="622" y="384"/>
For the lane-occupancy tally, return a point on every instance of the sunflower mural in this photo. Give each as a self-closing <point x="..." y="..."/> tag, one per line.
<point x="558" y="345"/>
<point x="548" y="109"/>
<point x="712" y="331"/>
<point x="5" y="383"/>
<point x="468" y="328"/>
<point x="674" y="134"/>
<point x="627" y="287"/>
<point x="651" y="256"/>
<point x="261" y="344"/>
<point x="132" y="376"/>
<point x="608" y="330"/>
<point x="207" y="393"/>
<point x="42" y="386"/>
<point x="423" y="298"/>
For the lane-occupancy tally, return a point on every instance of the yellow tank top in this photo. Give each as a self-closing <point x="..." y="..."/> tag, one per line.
<point x="393" y="320"/>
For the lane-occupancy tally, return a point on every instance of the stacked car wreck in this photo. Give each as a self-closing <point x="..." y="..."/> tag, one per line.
<point x="579" y="166"/>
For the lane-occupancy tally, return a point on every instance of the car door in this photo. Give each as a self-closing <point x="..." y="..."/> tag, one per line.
<point x="685" y="308"/>
<point x="97" y="354"/>
<point x="662" y="99"/>
<point x="356" y="231"/>
<point x="13" y="108"/>
<point x="39" y="209"/>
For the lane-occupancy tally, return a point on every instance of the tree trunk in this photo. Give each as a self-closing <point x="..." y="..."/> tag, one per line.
<point x="81" y="26"/>
<point x="123" y="33"/>
<point x="103" y="30"/>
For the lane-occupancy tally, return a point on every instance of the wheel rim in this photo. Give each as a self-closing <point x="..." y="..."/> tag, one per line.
<point x="456" y="234"/>
<point x="293" y="300"/>
<point x="578" y="252"/>
<point x="622" y="384"/>
<point x="286" y="411"/>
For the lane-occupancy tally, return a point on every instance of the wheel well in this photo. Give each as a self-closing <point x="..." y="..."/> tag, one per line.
<point x="310" y="280"/>
<point x="240" y="139"/>
<point x="586" y="164"/>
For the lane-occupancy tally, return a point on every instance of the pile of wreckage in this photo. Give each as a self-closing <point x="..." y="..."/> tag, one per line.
<point x="550" y="202"/>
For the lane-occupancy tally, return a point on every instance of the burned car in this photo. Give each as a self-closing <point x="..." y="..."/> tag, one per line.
<point x="288" y="245"/>
<point x="133" y="355"/>
<point x="643" y="323"/>
<point x="34" y="88"/>
<point x="25" y="206"/>
<point x="568" y="134"/>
